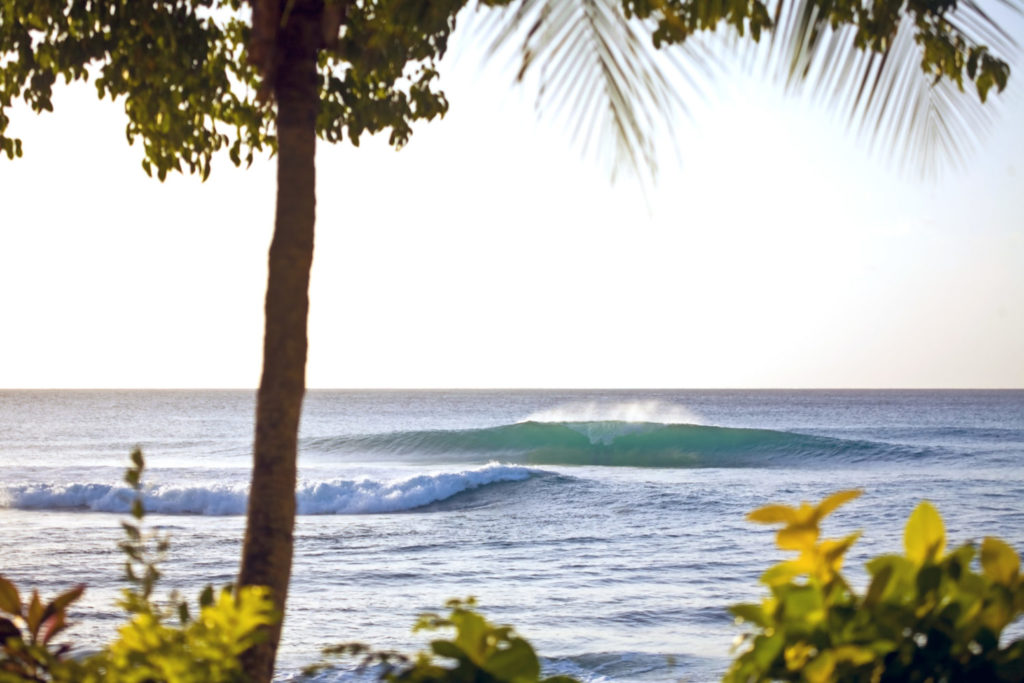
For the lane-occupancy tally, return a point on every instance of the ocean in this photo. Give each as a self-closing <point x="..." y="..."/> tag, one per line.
<point x="606" y="526"/>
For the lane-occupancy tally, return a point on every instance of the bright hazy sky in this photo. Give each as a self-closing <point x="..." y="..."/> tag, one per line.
<point x="772" y="253"/>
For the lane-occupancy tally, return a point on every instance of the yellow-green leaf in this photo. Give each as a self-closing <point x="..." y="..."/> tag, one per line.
<point x="999" y="561"/>
<point x="858" y="656"/>
<point x="827" y="506"/>
<point x="35" y="615"/>
<point x="925" y="535"/>
<point x="781" y="573"/>
<point x="796" y="655"/>
<point x="773" y="514"/>
<point x="833" y="550"/>
<point x="820" y="670"/>
<point x="10" y="601"/>
<point x="751" y="612"/>
<point x="797" y="537"/>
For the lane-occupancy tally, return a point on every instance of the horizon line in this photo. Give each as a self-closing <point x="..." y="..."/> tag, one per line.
<point x="524" y="388"/>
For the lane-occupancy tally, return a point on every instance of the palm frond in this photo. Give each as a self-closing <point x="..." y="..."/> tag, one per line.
<point x="599" y="74"/>
<point x="901" y="113"/>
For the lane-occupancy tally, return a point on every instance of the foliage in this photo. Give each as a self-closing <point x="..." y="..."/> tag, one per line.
<point x="27" y="630"/>
<point x="189" y="71"/>
<point x="927" y="615"/>
<point x="201" y="650"/>
<point x="189" y="89"/>
<point x="479" y="652"/>
<point x="158" y="644"/>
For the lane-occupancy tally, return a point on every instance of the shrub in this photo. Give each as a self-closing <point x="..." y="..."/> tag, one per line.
<point x="159" y="643"/>
<point x="478" y="652"/>
<point x="927" y="615"/>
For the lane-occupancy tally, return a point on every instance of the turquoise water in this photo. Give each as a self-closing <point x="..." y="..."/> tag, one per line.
<point x="607" y="526"/>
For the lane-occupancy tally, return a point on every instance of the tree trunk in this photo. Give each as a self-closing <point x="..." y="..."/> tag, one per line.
<point x="269" y="535"/>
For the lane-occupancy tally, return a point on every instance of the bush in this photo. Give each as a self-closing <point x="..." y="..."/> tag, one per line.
<point x="927" y="615"/>
<point x="159" y="643"/>
<point x="479" y="652"/>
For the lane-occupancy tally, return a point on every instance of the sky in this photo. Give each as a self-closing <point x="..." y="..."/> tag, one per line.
<point x="773" y="252"/>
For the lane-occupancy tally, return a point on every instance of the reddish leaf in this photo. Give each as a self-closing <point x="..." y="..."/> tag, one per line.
<point x="53" y="625"/>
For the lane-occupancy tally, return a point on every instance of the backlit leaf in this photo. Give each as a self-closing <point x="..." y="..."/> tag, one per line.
<point x="999" y="561"/>
<point x="781" y="573"/>
<point x="446" y="648"/>
<point x="925" y="535"/>
<point x="34" y="615"/>
<point x="827" y="506"/>
<point x="751" y="612"/>
<point x="820" y="670"/>
<point x="796" y="655"/>
<point x="10" y="601"/>
<point x="773" y="514"/>
<point x="858" y="656"/>
<point x="797" y="537"/>
<point x="518" y="661"/>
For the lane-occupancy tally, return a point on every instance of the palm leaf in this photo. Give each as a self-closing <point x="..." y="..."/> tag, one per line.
<point x="598" y="73"/>
<point x="901" y="113"/>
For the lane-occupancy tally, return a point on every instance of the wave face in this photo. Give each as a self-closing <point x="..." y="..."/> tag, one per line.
<point x="616" y="443"/>
<point x="333" y="497"/>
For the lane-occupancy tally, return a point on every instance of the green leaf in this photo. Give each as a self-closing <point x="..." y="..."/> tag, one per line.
<point x="751" y="612"/>
<point x="766" y="649"/>
<point x="820" y="669"/>
<point x="780" y="573"/>
<point x="928" y="579"/>
<point x="206" y="596"/>
<point x="516" y="662"/>
<point x="471" y="634"/>
<point x="803" y="603"/>
<point x="925" y="535"/>
<point x="446" y="648"/>
<point x="999" y="562"/>
<point x="879" y="582"/>
<point x="34" y="616"/>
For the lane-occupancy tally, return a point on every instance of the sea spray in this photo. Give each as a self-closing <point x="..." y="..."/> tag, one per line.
<point x="651" y="411"/>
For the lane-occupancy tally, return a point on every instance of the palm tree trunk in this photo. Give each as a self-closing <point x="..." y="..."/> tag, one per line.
<point x="269" y="536"/>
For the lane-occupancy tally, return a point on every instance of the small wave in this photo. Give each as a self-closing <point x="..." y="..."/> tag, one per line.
<point x="333" y="497"/>
<point x="617" y="443"/>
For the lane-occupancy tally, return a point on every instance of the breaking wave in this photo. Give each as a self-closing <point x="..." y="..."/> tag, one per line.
<point x="333" y="497"/>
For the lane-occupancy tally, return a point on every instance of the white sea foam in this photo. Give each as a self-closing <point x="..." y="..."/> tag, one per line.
<point x="625" y="411"/>
<point x="336" y="496"/>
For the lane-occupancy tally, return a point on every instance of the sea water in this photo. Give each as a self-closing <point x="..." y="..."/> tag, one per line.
<point x="607" y="526"/>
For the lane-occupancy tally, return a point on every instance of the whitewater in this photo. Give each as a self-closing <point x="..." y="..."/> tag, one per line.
<point x="607" y="526"/>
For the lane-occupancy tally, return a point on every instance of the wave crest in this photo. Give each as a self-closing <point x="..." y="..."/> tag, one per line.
<point x="333" y="497"/>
